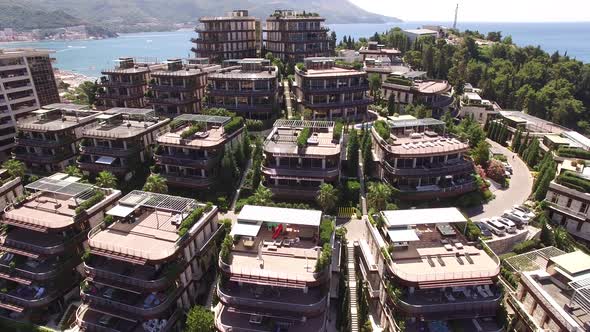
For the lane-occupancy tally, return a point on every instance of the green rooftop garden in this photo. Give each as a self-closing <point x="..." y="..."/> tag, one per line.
<point x="573" y="181"/>
<point x="382" y="129"/>
<point x="568" y="152"/>
<point x="398" y="81"/>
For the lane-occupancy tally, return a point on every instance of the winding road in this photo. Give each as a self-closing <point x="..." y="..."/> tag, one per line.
<point x="519" y="190"/>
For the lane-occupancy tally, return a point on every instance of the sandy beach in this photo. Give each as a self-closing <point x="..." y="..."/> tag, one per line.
<point x="72" y="78"/>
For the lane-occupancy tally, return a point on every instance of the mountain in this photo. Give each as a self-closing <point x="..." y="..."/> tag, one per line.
<point x="23" y="18"/>
<point x="117" y="15"/>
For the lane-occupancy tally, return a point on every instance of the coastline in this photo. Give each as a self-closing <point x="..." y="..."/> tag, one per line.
<point x="72" y="78"/>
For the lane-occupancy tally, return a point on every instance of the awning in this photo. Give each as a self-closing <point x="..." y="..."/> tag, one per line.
<point x="105" y="160"/>
<point x="120" y="211"/>
<point x="402" y="235"/>
<point x="245" y="229"/>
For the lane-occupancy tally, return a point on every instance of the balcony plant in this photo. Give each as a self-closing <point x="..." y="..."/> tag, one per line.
<point x="303" y="137"/>
<point x="382" y="128"/>
<point x="235" y="124"/>
<point x="226" y="246"/>
<point x="325" y="258"/>
<point x="96" y="198"/>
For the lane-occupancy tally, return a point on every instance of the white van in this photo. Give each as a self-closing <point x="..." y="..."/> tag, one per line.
<point x="510" y="225"/>
<point x="495" y="226"/>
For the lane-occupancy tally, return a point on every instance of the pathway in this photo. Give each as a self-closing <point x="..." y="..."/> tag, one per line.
<point x="237" y="194"/>
<point x="519" y="190"/>
<point x="354" y="325"/>
<point x="287" y="96"/>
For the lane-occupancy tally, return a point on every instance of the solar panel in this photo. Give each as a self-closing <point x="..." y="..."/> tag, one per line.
<point x="157" y="201"/>
<point x="63" y="187"/>
<point x="303" y="124"/>
<point x="415" y="123"/>
<point x="214" y="119"/>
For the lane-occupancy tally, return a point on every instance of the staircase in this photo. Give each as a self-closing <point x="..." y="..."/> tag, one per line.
<point x="352" y="296"/>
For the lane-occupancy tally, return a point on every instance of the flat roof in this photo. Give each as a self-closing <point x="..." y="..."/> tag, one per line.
<point x="578" y="138"/>
<point x="303" y="124"/>
<point x="65" y="107"/>
<point x="245" y="229"/>
<point x="558" y="139"/>
<point x="280" y="215"/>
<point x="65" y="186"/>
<point x="420" y="31"/>
<point x="573" y="262"/>
<point x="423" y="216"/>
<point x="402" y="235"/>
<point x="472" y="95"/>
<point x="404" y="123"/>
<point x="215" y="119"/>
<point x="131" y="111"/>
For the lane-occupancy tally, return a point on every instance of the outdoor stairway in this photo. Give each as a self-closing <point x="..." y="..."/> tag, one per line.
<point x="354" y="324"/>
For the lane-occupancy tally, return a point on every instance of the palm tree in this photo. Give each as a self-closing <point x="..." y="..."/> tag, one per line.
<point x="72" y="170"/>
<point x="262" y="196"/>
<point x="156" y="184"/>
<point x="14" y="168"/>
<point x="378" y="196"/>
<point x="327" y="197"/>
<point x="106" y="179"/>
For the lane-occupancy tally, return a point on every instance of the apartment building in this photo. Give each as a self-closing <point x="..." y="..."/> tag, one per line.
<point x="413" y="87"/>
<point x="120" y="141"/>
<point x="190" y="154"/>
<point x="145" y="263"/>
<point x="292" y="36"/>
<point x="235" y="36"/>
<point x="272" y="275"/>
<point x="179" y="87"/>
<point x="417" y="157"/>
<point x="418" y="268"/>
<point x="415" y="34"/>
<point x="299" y="156"/>
<point x="331" y="90"/>
<point x="377" y="51"/>
<point x="126" y="84"/>
<point x="26" y="83"/>
<point x="47" y="140"/>
<point x="551" y="293"/>
<point x="10" y="188"/>
<point x="42" y="242"/>
<point x="248" y="87"/>
<point x="473" y="105"/>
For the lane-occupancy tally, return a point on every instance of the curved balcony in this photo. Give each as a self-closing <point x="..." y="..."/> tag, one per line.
<point x="189" y="181"/>
<point x="106" y="95"/>
<point x="140" y="309"/>
<point x="116" y="84"/>
<point x="32" y="301"/>
<point x="466" y="307"/>
<point x="291" y="300"/>
<point x="186" y="161"/>
<point x="22" y="141"/>
<point x="39" y="243"/>
<point x="293" y="191"/>
<point x="233" y="92"/>
<point x="172" y="88"/>
<point x="95" y="168"/>
<point x="42" y="158"/>
<point x="436" y="170"/>
<point x="338" y="104"/>
<point x="282" y="171"/>
<point x="134" y="278"/>
<point x="330" y="89"/>
<point x="173" y="101"/>
<point x="107" y="151"/>
<point x="232" y="321"/>
<point x="42" y="272"/>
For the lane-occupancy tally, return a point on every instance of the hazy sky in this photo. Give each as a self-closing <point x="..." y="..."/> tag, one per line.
<point x="482" y="11"/>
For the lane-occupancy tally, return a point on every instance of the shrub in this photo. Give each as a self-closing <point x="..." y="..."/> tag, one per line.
<point x="325" y="258"/>
<point x="496" y="171"/>
<point x="254" y="125"/>
<point x="96" y="198"/>
<point x="573" y="152"/>
<point x="303" y="137"/>
<point x="337" y="130"/>
<point x="326" y="230"/>
<point x="571" y="180"/>
<point x="192" y="218"/>
<point x="235" y="124"/>
<point x="222" y="203"/>
<point x="382" y="129"/>
<point x="301" y="66"/>
<point x="226" y="246"/>
<point x="398" y="81"/>
<point x="472" y="232"/>
<point x="526" y="246"/>
<point x="193" y="129"/>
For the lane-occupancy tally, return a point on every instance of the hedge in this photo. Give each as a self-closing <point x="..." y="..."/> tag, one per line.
<point x="398" y="81"/>
<point x="235" y="124"/>
<point x="573" y="152"/>
<point x="324" y="259"/>
<point x="326" y="230"/>
<point x="382" y="129"/>
<point x="303" y="137"/>
<point x="337" y="130"/>
<point x="96" y="198"/>
<point x="192" y="218"/>
<point x="525" y="246"/>
<point x="571" y="180"/>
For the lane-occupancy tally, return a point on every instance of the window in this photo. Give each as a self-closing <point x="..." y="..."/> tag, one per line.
<point x="555" y="198"/>
<point x="584" y="208"/>
<point x="569" y="202"/>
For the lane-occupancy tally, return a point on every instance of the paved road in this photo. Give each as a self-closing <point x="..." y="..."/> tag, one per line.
<point x="521" y="183"/>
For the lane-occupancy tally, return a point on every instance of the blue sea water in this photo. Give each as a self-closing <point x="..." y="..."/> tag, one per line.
<point x="88" y="57"/>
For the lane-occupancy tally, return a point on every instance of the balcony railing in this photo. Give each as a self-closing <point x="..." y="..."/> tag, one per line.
<point x="133" y="309"/>
<point x="108" y="151"/>
<point x="183" y="160"/>
<point x="429" y="171"/>
<point x="467" y="307"/>
<point x="472" y="185"/>
<point x="284" y="190"/>
<point x="94" y="167"/>
<point x="48" y="274"/>
<point x="329" y="89"/>
<point x="44" y="250"/>
<point x="110" y="83"/>
<point x="43" y="143"/>
<point x="261" y="303"/>
<point x="338" y="104"/>
<point x="189" y="180"/>
<point x="44" y="301"/>
<point x="175" y="101"/>
<point x="42" y="158"/>
<point x="132" y="281"/>
<point x="301" y="172"/>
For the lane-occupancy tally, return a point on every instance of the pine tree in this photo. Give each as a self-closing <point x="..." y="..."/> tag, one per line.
<point x="352" y="153"/>
<point x="516" y="140"/>
<point x="524" y="144"/>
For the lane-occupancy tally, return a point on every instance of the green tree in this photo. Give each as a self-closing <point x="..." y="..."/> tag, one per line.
<point x="84" y="94"/>
<point x="374" y="84"/>
<point x="199" y="319"/>
<point x="563" y="240"/>
<point x="106" y="179"/>
<point x="547" y="236"/>
<point x="516" y="140"/>
<point x="14" y="168"/>
<point x="156" y="183"/>
<point x="239" y="155"/>
<point x="366" y="152"/>
<point x="327" y="197"/>
<point x="73" y="170"/>
<point x="379" y="195"/>
<point x="481" y="154"/>
<point x="352" y="153"/>
<point x="391" y="105"/>
<point x="262" y="196"/>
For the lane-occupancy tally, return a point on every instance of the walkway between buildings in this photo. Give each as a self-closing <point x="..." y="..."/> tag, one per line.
<point x="237" y="194"/>
<point x="287" y="96"/>
<point x="352" y="294"/>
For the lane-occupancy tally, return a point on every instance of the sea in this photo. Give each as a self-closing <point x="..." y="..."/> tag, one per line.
<point x="88" y="57"/>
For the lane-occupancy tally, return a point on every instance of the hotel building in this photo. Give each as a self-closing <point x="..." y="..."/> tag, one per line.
<point x="120" y="141"/>
<point x="146" y="262"/>
<point x="418" y="158"/>
<point x="413" y="87"/>
<point x="248" y="87"/>
<point x="292" y="36"/>
<point x="42" y="242"/>
<point x="26" y="83"/>
<point x="235" y="36"/>
<point x="299" y="156"/>
<point x="272" y="275"/>
<point x="193" y="161"/>
<point x="331" y="90"/>
<point x="419" y="269"/>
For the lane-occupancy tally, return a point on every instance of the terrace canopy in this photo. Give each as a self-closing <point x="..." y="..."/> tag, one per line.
<point x="277" y="215"/>
<point x="403" y="235"/>
<point x="396" y="218"/>
<point x="105" y="160"/>
<point x="245" y="229"/>
<point x="120" y="211"/>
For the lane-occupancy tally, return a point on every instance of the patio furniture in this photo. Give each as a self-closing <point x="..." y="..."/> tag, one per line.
<point x="459" y="245"/>
<point x="272" y="248"/>
<point x="448" y="247"/>
<point x="248" y="243"/>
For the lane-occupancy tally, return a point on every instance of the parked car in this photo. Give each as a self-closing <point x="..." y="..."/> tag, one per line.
<point x="528" y="212"/>
<point x="517" y="216"/>
<point x="485" y="230"/>
<point x="508" y="167"/>
<point x="495" y="226"/>
<point x="510" y="225"/>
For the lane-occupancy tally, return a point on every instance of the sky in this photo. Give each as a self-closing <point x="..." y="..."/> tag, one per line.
<point x="481" y="11"/>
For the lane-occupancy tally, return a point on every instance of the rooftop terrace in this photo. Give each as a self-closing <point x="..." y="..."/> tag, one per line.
<point x="283" y="138"/>
<point x="212" y="132"/>
<point x="124" y="123"/>
<point x="146" y="227"/>
<point x="533" y="123"/>
<point x="57" y="119"/>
